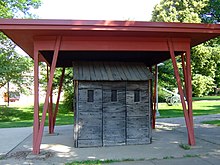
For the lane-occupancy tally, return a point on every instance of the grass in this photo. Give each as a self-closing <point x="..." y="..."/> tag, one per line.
<point x="199" y="108"/>
<point x="206" y="98"/>
<point x="213" y="122"/>
<point x="22" y="116"/>
<point x="99" y="162"/>
<point x="168" y="157"/>
<point x="184" y="146"/>
<point x="91" y="162"/>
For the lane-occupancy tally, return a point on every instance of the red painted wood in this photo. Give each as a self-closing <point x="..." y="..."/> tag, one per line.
<point x="50" y="108"/>
<point x="16" y="29"/>
<point x="107" y="43"/>
<point x="184" y="73"/>
<point x="50" y="114"/>
<point x="36" y="102"/>
<point x="58" y="99"/>
<point x="176" y="72"/>
<point x="49" y="87"/>
<point x="189" y="95"/>
<point x="154" y="98"/>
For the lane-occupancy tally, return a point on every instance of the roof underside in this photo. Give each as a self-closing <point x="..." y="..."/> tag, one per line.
<point x="111" y="71"/>
<point x="25" y="32"/>
<point x="65" y="58"/>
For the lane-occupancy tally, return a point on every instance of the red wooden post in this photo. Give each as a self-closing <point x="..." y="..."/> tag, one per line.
<point x="50" y="114"/>
<point x="49" y="87"/>
<point x="154" y="98"/>
<point x="189" y="94"/>
<point x="50" y="107"/>
<point x="36" y="101"/>
<point x="58" y="99"/>
<point x="176" y="72"/>
<point x="184" y="72"/>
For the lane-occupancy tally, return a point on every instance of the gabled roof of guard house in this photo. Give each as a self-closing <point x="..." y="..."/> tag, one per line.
<point x="95" y="40"/>
<point x="111" y="71"/>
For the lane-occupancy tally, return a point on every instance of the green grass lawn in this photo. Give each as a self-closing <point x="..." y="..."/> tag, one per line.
<point x="199" y="108"/>
<point x="213" y="122"/>
<point x="206" y="98"/>
<point x="22" y="116"/>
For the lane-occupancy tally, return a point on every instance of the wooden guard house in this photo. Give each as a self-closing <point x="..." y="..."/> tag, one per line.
<point x="111" y="45"/>
<point x="112" y="104"/>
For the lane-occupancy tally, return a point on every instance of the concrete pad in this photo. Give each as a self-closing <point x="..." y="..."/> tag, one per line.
<point x="165" y="148"/>
<point x="213" y="159"/>
<point x="11" y="137"/>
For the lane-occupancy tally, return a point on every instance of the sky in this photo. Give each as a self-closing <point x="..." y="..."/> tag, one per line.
<point x="135" y="10"/>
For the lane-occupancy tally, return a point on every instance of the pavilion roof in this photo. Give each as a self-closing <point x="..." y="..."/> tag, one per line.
<point x="24" y="31"/>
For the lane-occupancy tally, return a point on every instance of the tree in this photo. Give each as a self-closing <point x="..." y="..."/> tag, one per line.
<point x="205" y="57"/>
<point x="18" y="8"/>
<point x="14" y="67"/>
<point x="179" y="11"/>
<point x="68" y="87"/>
<point x="211" y="12"/>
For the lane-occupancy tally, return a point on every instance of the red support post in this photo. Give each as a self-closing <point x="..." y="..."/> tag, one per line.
<point x="50" y="107"/>
<point x="176" y="72"/>
<point x="49" y="87"/>
<point x="189" y="94"/>
<point x="154" y="98"/>
<point x="58" y="99"/>
<point x="183" y="57"/>
<point x="36" y="101"/>
<point x="50" y="114"/>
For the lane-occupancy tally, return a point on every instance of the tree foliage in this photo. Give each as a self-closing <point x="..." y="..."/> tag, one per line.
<point x="211" y="12"/>
<point x="14" y="67"/>
<point x="18" y="8"/>
<point x="202" y="85"/>
<point x="67" y="83"/>
<point x="205" y="57"/>
<point x="178" y="11"/>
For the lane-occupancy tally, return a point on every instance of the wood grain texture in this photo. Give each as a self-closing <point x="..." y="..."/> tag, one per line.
<point x="107" y="123"/>
<point x="111" y="71"/>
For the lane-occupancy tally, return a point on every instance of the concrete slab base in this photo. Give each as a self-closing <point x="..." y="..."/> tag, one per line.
<point x="58" y="149"/>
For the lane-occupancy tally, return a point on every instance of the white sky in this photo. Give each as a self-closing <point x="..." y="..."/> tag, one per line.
<point x="136" y="10"/>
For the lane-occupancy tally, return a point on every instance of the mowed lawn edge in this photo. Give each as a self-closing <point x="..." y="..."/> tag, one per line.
<point x="22" y="116"/>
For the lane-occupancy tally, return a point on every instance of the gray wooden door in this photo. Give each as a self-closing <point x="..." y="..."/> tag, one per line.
<point x="114" y="114"/>
<point x="89" y="117"/>
<point x="138" y="117"/>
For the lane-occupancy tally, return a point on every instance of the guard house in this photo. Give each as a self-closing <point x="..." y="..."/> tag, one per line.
<point x="112" y="104"/>
<point x="59" y="43"/>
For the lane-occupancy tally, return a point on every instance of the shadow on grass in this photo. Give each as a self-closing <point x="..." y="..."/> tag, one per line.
<point x="199" y="108"/>
<point x="23" y="116"/>
<point x="207" y="110"/>
<point x="10" y="114"/>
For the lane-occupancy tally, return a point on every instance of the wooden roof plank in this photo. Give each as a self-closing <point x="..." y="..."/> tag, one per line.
<point x="97" y="70"/>
<point x="108" y="71"/>
<point x="111" y="71"/>
<point x="103" y="71"/>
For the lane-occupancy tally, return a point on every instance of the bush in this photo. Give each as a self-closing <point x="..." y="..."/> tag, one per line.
<point x="202" y="85"/>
